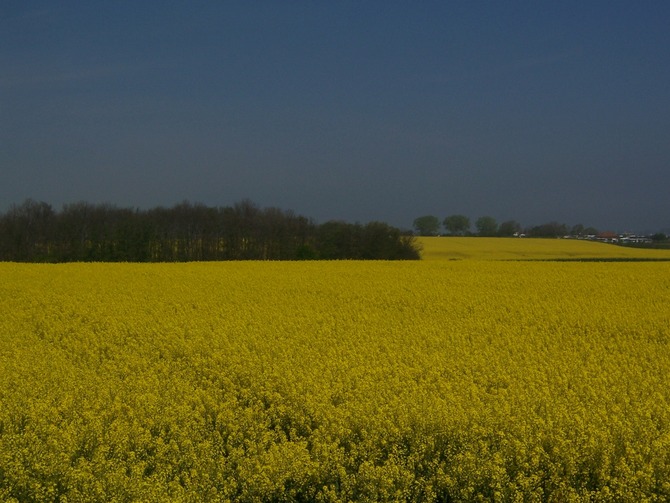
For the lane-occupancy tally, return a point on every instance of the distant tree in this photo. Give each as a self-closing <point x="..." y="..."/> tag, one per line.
<point x="81" y="232"/>
<point x="337" y="240"/>
<point x="509" y="228"/>
<point x="380" y="241"/>
<point x="188" y="232"/>
<point x="427" y="225"/>
<point x="486" y="226"/>
<point x="577" y="230"/>
<point x="457" y="225"/>
<point x="659" y="237"/>
<point x="25" y="232"/>
<point x="548" y="230"/>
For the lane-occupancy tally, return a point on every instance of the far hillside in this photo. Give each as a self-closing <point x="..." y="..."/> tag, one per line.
<point x="454" y="248"/>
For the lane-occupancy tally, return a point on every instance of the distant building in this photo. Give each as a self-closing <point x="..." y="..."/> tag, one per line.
<point x="634" y="239"/>
<point x="607" y="237"/>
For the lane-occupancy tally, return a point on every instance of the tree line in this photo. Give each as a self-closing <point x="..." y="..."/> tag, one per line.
<point x="460" y="225"/>
<point x="35" y="232"/>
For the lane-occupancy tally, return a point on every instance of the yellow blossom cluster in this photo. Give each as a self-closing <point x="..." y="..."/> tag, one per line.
<point x="436" y="380"/>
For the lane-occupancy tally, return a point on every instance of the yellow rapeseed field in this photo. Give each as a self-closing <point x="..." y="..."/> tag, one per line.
<point x="456" y="248"/>
<point x="438" y="380"/>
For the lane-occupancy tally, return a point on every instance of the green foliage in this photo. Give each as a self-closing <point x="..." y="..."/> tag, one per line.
<point x="509" y="228"/>
<point x="548" y="230"/>
<point x="457" y="225"/>
<point x="486" y="226"/>
<point x="427" y="225"/>
<point x="82" y="232"/>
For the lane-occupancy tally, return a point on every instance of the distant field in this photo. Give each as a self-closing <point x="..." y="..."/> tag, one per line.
<point x="454" y="248"/>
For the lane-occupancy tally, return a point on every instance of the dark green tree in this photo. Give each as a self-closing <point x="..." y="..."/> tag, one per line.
<point x="509" y="228"/>
<point x="26" y="231"/>
<point x="427" y="225"/>
<point x="486" y="226"/>
<point x="577" y="230"/>
<point x="189" y="232"/>
<point x="548" y="230"/>
<point x="457" y="225"/>
<point x="380" y="241"/>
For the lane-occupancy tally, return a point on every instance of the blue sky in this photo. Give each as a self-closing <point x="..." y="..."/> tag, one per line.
<point x="378" y="110"/>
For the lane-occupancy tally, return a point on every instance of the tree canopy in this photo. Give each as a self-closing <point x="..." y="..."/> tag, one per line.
<point x="509" y="228"/>
<point x="427" y="225"/>
<point x="35" y="232"/>
<point x="486" y="226"/>
<point x="457" y="225"/>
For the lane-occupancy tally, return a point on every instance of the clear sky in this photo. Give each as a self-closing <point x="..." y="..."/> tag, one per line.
<point x="376" y="110"/>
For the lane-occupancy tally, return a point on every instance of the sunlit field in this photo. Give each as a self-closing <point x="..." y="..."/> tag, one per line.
<point x="437" y="380"/>
<point x="456" y="248"/>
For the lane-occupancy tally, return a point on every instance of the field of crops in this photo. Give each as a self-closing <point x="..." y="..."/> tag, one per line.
<point x="457" y="248"/>
<point x="437" y="380"/>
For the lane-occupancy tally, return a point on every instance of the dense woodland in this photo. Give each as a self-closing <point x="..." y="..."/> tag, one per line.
<point x="35" y="232"/>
